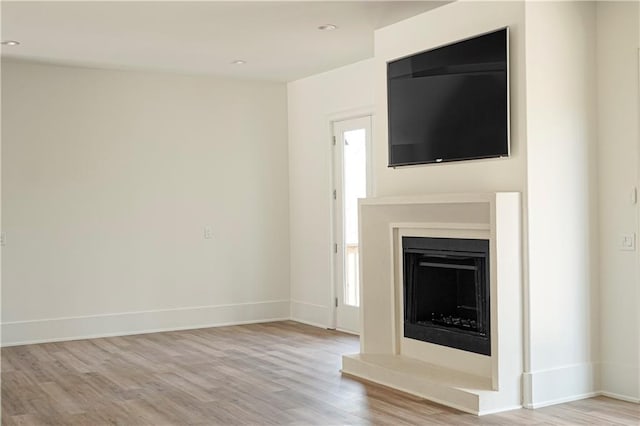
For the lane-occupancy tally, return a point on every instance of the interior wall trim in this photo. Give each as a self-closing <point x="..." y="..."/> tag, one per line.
<point x="127" y="323"/>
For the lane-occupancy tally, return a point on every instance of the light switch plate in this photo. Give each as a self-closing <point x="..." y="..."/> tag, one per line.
<point x="628" y="242"/>
<point x="208" y="233"/>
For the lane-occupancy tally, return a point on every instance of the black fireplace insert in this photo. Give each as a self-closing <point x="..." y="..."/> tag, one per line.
<point x="446" y="292"/>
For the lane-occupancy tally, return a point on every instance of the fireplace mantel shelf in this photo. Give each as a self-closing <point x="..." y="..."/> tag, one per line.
<point x="441" y="198"/>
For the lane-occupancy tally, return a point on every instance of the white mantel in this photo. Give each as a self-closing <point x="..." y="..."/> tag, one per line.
<point x="474" y="383"/>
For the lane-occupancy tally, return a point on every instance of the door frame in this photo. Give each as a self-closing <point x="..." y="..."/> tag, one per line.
<point x="332" y="120"/>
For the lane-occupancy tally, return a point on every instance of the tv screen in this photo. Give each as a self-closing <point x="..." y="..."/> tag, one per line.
<point x="450" y="103"/>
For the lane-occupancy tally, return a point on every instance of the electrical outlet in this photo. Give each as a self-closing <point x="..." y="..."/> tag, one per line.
<point x="628" y="242"/>
<point x="208" y="233"/>
<point x="3" y="239"/>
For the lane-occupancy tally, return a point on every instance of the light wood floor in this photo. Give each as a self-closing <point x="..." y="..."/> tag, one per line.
<point x="276" y="373"/>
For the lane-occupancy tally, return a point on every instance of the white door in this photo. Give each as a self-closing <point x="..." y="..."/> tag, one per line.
<point x="352" y="140"/>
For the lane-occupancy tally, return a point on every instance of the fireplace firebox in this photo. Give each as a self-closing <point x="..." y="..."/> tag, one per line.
<point x="446" y="292"/>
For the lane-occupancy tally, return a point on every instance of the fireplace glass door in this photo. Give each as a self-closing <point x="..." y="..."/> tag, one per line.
<point x="446" y="297"/>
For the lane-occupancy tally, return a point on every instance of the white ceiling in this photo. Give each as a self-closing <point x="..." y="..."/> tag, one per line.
<point x="279" y="40"/>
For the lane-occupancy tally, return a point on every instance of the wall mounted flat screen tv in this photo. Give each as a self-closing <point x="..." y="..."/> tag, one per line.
<point x="450" y="103"/>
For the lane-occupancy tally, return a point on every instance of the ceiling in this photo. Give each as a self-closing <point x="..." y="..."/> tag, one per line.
<point x="279" y="41"/>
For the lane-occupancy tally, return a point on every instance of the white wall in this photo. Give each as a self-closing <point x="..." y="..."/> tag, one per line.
<point x="618" y="154"/>
<point x="1" y="247"/>
<point x="108" y="180"/>
<point x="562" y="207"/>
<point x="315" y="102"/>
<point x="440" y="26"/>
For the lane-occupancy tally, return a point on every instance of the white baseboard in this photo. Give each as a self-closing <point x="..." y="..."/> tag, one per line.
<point x="311" y="314"/>
<point x="561" y="400"/>
<point x="585" y="396"/>
<point x="559" y="385"/>
<point x="620" y="397"/>
<point x="620" y="381"/>
<point x="127" y="323"/>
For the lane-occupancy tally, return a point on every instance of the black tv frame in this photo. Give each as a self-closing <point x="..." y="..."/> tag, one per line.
<point x="508" y="104"/>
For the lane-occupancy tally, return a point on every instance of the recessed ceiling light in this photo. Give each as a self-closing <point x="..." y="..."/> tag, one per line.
<point x="328" y="27"/>
<point x="9" y="43"/>
<point x="239" y="62"/>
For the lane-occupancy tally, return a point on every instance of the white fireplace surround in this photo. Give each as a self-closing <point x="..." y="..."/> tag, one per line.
<point x="467" y="381"/>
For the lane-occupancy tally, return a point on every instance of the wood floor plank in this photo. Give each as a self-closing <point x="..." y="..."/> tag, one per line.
<point x="282" y="373"/>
